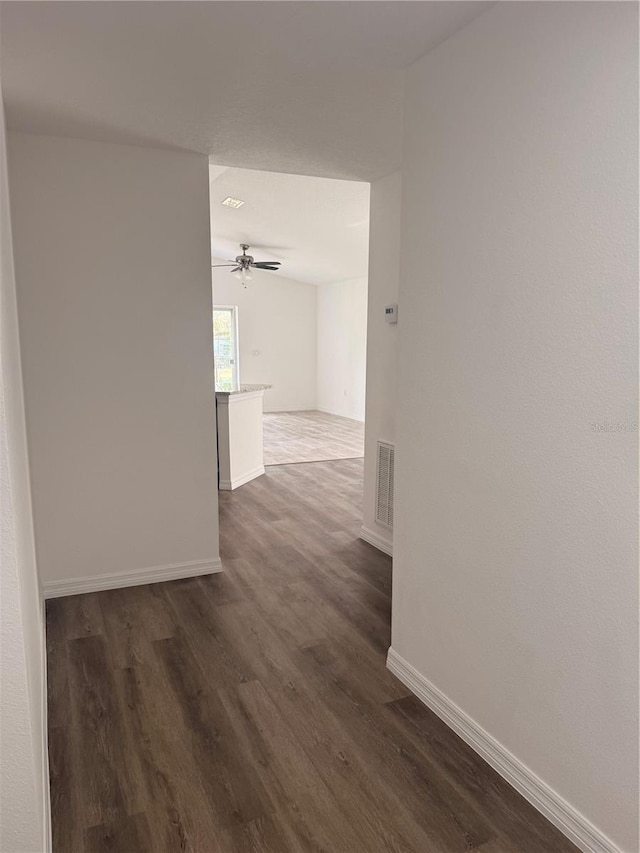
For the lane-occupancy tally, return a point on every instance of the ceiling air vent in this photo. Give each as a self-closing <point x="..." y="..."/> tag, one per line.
<point x="230" y="201"/>
<point x="384" y="484"/>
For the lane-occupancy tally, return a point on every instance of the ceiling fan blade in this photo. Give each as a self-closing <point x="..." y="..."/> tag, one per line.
<point x="266" y="264"/>
<point x="264" y="267"/>
<point x="221" y="265"/>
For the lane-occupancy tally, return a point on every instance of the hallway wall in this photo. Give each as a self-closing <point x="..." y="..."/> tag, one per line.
<point x="24" y="790"/>
<point x="382" y="342"/>
<point x="114" y="296"/>
<point x="516" y="542"/>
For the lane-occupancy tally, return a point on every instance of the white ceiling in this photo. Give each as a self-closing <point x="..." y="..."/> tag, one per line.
<point x="309" y="87"/>
<point x="317" y="227"/>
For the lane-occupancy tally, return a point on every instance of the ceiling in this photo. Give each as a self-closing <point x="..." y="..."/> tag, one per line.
<point x="317" y="227"/>
<point x="313" y="87"/>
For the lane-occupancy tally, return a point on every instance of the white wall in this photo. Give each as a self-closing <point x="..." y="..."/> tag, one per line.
<point x="516" y="551"/>
<point x="277" y="319"/>
<point x="342" y="347"/>
<point x="382" y="339"/>
<point x="23" y="783"/>
<point x="114" y="295"/>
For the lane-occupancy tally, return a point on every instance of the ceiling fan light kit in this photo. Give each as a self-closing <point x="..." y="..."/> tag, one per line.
<point x="244" y="265"/>
<point x="243" y="276"/>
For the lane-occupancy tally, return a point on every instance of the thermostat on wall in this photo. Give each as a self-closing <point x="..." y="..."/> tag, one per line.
<point x="391" y="313"/>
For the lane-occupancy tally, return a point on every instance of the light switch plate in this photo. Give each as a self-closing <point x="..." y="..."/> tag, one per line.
<point x="391" y="313"/>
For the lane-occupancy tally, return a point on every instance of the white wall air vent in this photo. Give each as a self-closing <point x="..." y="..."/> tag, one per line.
<point x="384" y="484"/>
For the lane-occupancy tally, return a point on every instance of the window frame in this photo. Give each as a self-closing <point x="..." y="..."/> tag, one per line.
<point x="235" y="376"/>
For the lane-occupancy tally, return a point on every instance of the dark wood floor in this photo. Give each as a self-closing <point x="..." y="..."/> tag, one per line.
<point x="252" y="711"/>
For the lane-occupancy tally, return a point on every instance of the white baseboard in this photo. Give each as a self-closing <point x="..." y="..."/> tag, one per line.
<point x="547" y="801"/>
<point x="136" y="577"/>
<point x="377" y="540"/>
<point x="339" y="414"/>
<point x="47" y="839"/>
<point x="229" y="485"/>
<point x="266" y="411"/>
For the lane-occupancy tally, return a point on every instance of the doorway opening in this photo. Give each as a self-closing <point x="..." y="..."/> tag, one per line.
<point x="290" y="282"/>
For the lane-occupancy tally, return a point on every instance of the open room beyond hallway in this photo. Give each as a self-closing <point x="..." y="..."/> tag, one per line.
<point x="290" y="312"/>
<point x="310" y="437"/>
<point x="252" y="710"/>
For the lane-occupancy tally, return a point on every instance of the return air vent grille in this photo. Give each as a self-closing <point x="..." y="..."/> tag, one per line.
<point x="384" y="484"/>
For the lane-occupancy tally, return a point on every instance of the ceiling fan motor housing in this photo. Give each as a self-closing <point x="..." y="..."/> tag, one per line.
<point x="244" y="260"/>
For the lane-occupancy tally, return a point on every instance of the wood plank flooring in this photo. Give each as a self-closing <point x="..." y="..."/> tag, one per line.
<point x="252" y="711"/>
<point x="310" y="436"/>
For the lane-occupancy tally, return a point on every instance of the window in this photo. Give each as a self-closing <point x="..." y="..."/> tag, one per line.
<point x="225" y="347"/>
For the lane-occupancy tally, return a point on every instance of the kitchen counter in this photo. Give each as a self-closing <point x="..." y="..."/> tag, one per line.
<point x="243" y="389"/>
<point x="240" y="443"/>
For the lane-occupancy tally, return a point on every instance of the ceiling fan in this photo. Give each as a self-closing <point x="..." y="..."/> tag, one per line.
<point x="244" y="265"/>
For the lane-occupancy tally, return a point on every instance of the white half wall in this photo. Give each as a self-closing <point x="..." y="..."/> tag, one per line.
<point x="277" y="333"/>
<point x="342" y="348"/>
<point x="112" y="254"/>
<point x="24" y="789"/>
<point x="382" y="339"/>
<point x="515" y="587"/>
